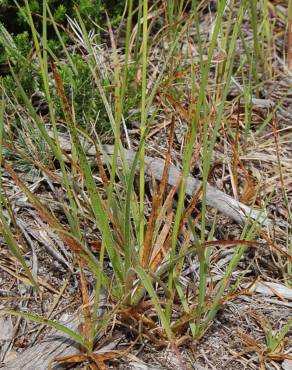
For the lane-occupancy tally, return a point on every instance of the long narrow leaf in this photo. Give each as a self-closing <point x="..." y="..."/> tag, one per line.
<point x="50" y="323"/>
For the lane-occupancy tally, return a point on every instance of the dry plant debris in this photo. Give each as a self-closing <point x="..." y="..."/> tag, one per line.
<point x="250" y="167"/>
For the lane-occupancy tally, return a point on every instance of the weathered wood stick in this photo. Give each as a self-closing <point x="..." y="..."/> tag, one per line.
<point x="232" y="208"/>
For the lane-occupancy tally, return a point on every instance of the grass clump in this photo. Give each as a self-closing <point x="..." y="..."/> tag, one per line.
<point x="142" y="242"/>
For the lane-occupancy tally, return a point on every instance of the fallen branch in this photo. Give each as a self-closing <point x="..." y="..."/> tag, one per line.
<point x="237" y="211"/>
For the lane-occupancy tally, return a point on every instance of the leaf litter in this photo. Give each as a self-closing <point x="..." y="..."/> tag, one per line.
<point x="235" y="339"/>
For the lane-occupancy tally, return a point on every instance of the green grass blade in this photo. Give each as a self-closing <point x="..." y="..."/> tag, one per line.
<point x="50" y="323"/>
<point x="147" y="283"/>
<point x="8" y="235"/>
